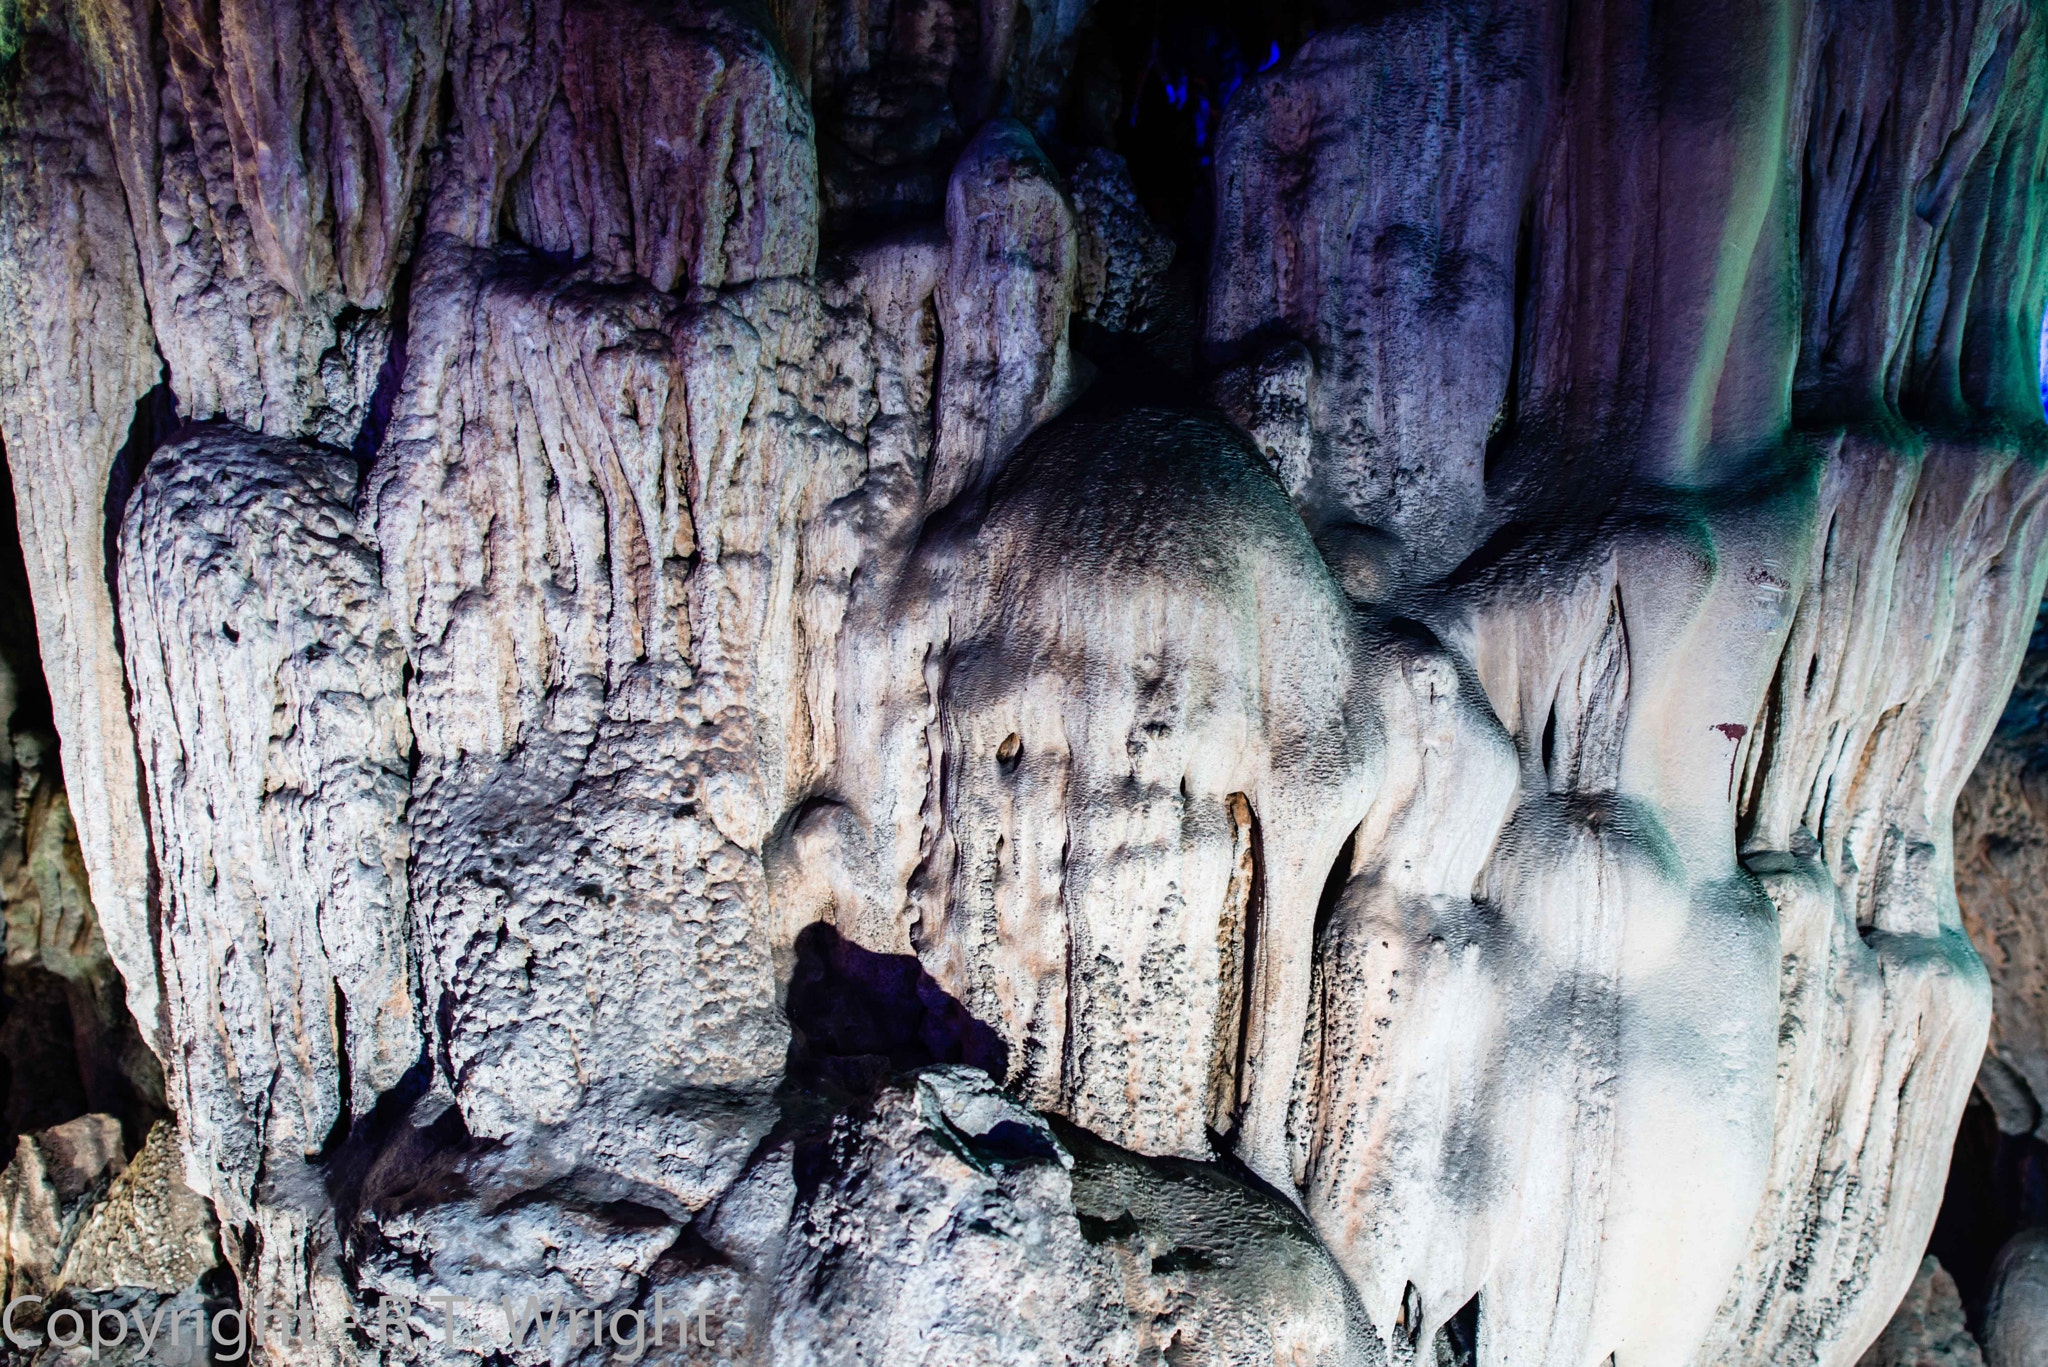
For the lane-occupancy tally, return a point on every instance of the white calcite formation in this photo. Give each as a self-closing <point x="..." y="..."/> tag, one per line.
<point x="668" y="728"/>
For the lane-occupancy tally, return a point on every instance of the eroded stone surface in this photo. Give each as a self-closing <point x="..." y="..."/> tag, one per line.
<point x="2016" y="1306"/>
<point x="47" y="1189"/>
<point x="79" y="358"/>
<point x="1022" y="1250"/>
<point x="250" y="600"/>
<point x="150" y="1231"/>
<point x="1055" y="822"/>
<point x="2001" y="868"/>
<point x="679" y="150"/>
<point x="596" y="597"/>
<point x="1498" y="793"/>
<point x="1927" y="1329"/>
<point x="1402" y="152"/>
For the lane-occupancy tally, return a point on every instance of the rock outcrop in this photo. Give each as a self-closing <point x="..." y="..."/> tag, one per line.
<point x="149" y="1231"/>
<point x="723" y="686"/>
<point x="1927" y="1330"/>
<point x="93" y="1238"/>
<point x="2001" y="872"/>
<point x="2016" y="1306"/>
<point x="46" y="1192"/>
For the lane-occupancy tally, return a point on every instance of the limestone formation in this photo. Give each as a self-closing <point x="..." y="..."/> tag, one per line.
<point x="1927" y="1329"/>
<point x="287" y="836"/>
<point x="1021" y="1246"/>
<point x="107" y="1240"/>
<point x="149" y="1231"/>
<point x="78" y="360"/>
<point x="942" y="682"/>
<point x="2016" y="1307"/>
<point x="2001" y="877"/>
<point x="46" y="1192"/>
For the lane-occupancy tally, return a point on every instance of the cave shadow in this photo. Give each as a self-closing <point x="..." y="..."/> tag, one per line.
<point x="1997" y="1186"/>
<point x="858" y="1018"/>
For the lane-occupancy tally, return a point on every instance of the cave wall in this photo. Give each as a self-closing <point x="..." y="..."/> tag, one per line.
<point x="1415" y="694"/>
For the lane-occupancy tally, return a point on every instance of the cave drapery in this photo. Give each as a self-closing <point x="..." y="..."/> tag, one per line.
<point x="1032" y="681"/>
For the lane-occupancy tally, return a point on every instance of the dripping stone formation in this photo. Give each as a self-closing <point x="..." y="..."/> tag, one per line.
<point x="953" y="682"/>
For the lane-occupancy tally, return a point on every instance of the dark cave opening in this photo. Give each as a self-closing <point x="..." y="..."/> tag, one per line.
<point x="858" y="1018"/>
<point x="1997" y="1186"/>
<point x="1152" y="82"/>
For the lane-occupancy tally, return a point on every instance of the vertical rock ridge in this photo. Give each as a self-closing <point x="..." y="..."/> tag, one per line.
<point x="267" y="681"/>
<point x="78" y="359"/>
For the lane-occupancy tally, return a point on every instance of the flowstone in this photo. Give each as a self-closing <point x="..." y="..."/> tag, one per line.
<point x="971" y="683"/>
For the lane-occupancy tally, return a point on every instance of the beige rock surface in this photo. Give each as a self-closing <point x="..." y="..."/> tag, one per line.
<point x="79" y="358"/>
<point x="46" y="1192"/>
<point x="150" y="1230"/>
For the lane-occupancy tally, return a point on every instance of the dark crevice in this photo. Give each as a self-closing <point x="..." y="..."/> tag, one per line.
<point x="1460" y="1335"/>
<point x="369" y="439"/>
<point x="1763" y="751"/>
<point x="444" y="1031"/>
<point x="1098" y="1230"/>
<point x="1409" y="1326"/>
<point x="156" y="418"/>
<point x="1334" y="884"/>
<point x="19" y="643"/>
<point x="344" y="1115"/>
<point x="1152" y="82"/>
<point x="369" y="1140"/>
<point x="1247" y="968"/>
<point x="412" y="753"/>
<point x="1997" y="1186"/>
<point x="1500" y="442"/>
<point x="1183" y="1259"/>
